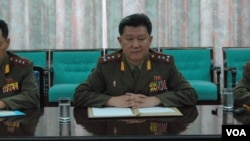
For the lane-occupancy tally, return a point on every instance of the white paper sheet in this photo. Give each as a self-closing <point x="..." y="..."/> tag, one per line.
<point x="155" y="110"/>
<point x="112" y="111"/>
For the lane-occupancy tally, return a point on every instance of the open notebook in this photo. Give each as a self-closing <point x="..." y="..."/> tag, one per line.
<point x="112" y="112"/>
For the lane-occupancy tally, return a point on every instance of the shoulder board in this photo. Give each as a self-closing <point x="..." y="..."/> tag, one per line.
<point x="16" y="60"/>
<point x="160" y="57"/>
<point x="113" y="57"/>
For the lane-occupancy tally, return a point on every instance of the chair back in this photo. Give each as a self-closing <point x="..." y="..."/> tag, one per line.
<point x="235" y="57"/>
<point x="196" y="65"/>
<point x="193" y="62"/>
<point x="73" y="66"/>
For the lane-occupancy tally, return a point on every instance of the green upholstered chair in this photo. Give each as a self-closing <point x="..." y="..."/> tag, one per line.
<point x="196" y="65"/>
<point x="234" y="60"/>
<point x="69" y="69"/>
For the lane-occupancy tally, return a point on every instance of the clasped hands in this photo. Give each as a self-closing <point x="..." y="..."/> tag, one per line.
<point x="133" y="100"/>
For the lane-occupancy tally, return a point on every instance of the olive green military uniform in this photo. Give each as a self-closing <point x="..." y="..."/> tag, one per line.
<point x="19" y="89"/>
<point x="113" y="77"/>
<point x="242" y="89"/>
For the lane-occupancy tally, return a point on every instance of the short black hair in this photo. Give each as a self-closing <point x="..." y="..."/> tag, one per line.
<point x="4" y="28"/>
<point x="135" y="20"/>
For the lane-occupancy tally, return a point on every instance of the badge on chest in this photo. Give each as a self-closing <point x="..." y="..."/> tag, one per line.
<point x="157" y="85"/>
<point x="10" y="86"/>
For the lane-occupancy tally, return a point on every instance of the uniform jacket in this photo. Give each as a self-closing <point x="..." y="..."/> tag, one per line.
<point x="113" y="77"/>
<point x="19" y="88"/>
<point x="242" y="89"/>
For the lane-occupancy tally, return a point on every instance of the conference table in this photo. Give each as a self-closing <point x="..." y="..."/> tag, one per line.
<point x="201" y="122"/>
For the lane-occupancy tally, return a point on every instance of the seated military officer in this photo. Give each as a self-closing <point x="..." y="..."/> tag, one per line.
<point x="242" y="88"/>
<point x="135" y="76"/>
<point x="19" y="89"/>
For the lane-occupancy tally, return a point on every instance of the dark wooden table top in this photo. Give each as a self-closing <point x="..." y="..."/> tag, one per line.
<point x="200" y="122"/>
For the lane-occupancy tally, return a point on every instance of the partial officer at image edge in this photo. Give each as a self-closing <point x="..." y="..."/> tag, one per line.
<point x="19" y="88"/>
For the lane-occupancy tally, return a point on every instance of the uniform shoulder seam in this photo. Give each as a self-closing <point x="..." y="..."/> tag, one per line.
<point x="113" y="57"/>
<point x="16" y="60"/>
<point x="160" y="57"/>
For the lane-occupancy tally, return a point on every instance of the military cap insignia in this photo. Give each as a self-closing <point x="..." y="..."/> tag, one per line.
<point x="160" y="57"/>
<point x="111" y="58"/>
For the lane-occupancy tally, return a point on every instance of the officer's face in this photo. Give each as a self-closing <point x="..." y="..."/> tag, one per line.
<point x="135" y="42"/>
<point x="4" y="43"/>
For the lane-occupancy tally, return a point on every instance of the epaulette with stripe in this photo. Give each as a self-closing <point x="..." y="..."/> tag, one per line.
<point x="16" y="60"/>
<point x="113" y="57"/>
<point x="160" y="57"/>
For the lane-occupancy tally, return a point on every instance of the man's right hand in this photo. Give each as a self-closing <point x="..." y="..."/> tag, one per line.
<point x="121" y="101"/>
